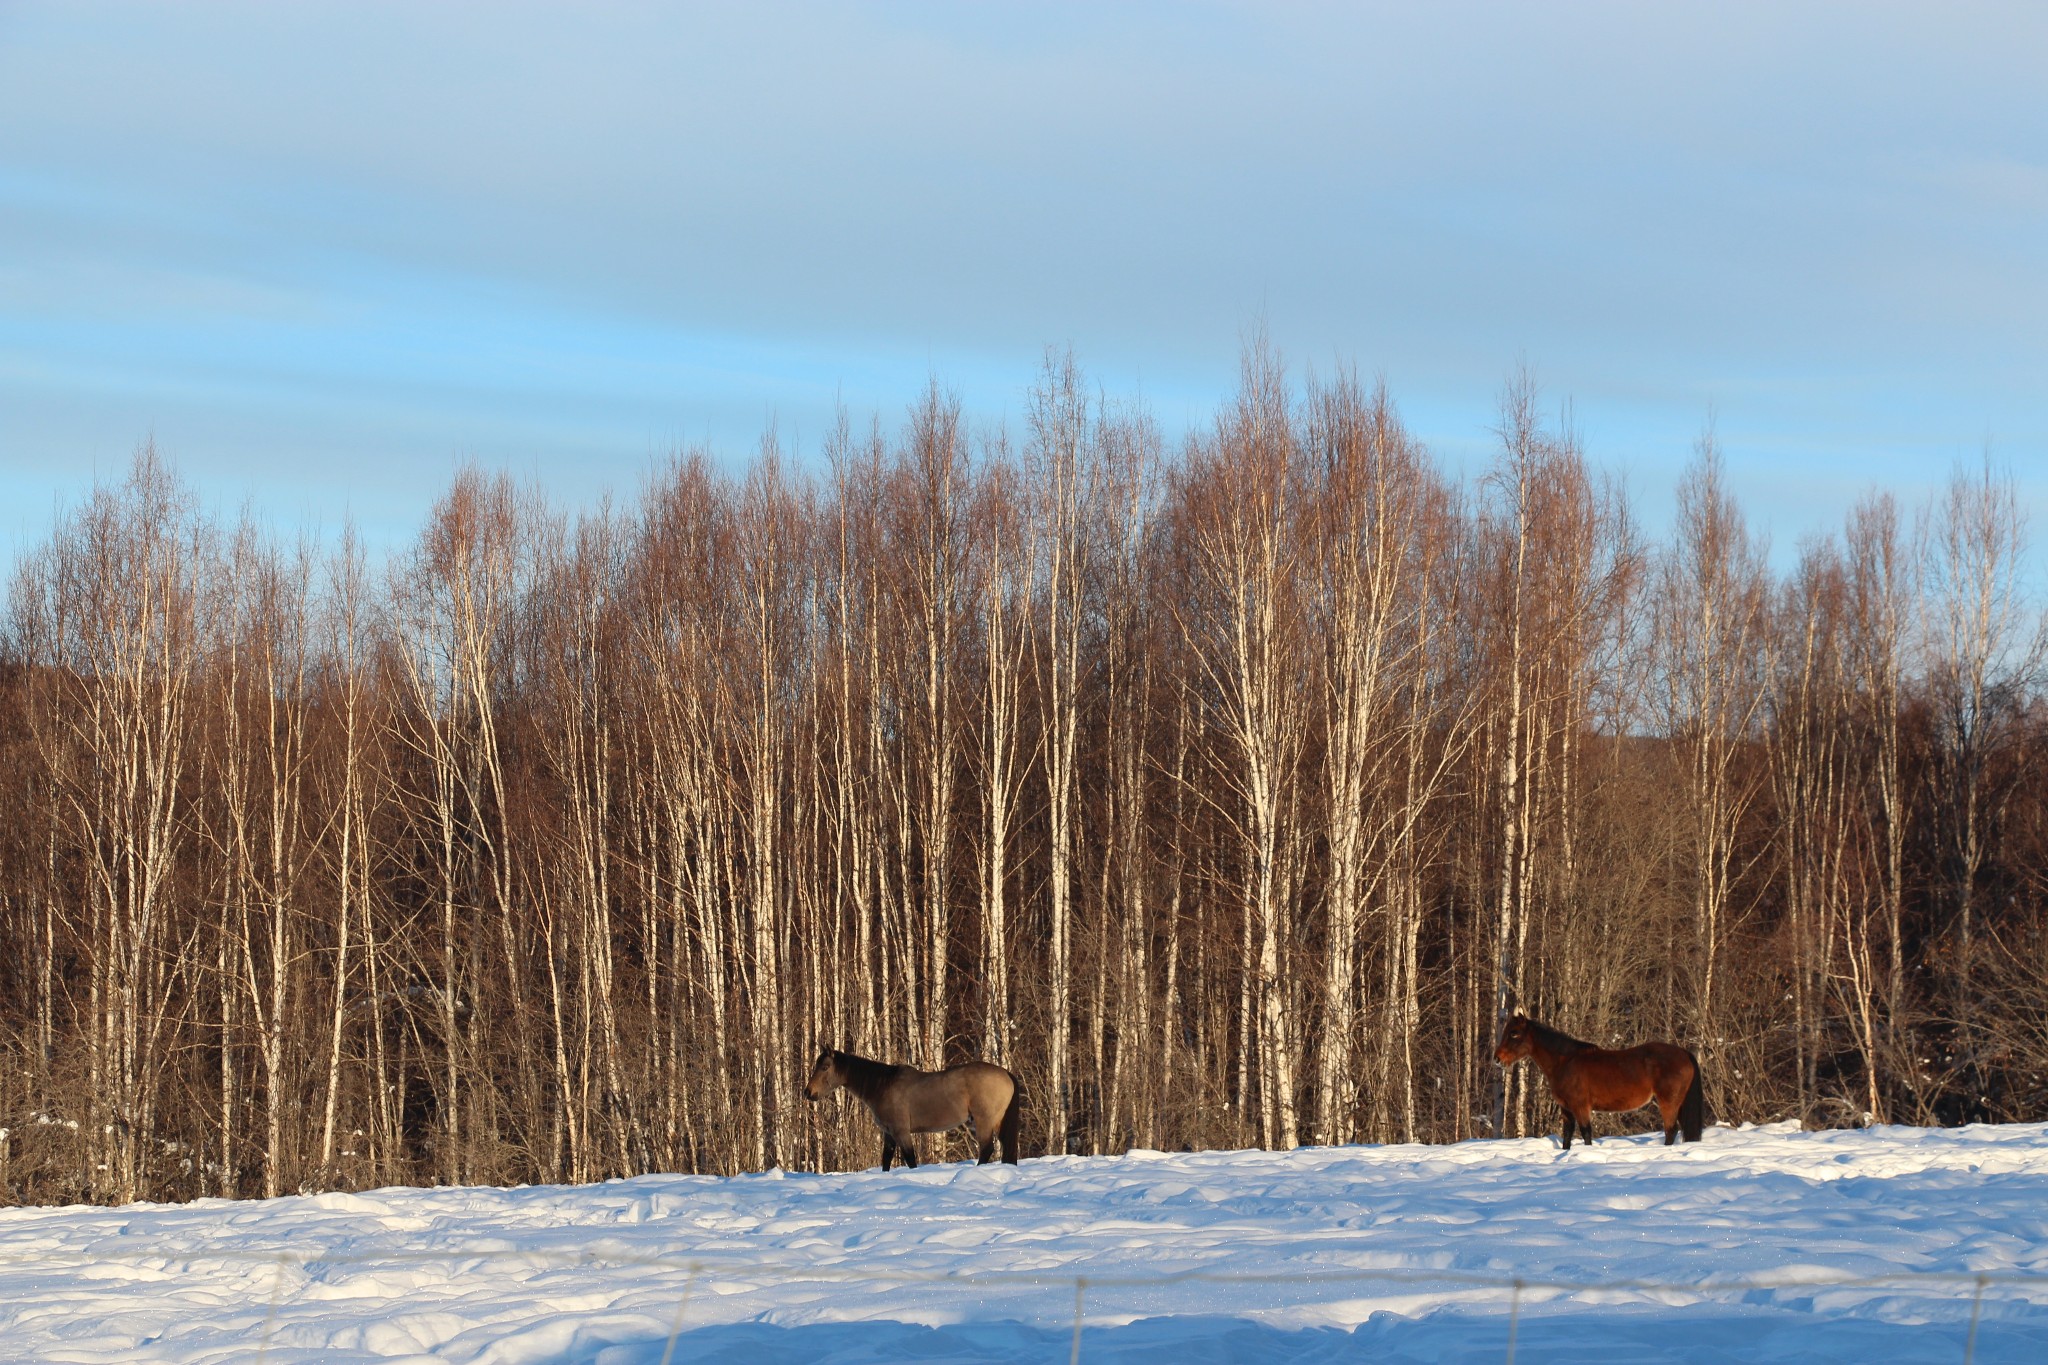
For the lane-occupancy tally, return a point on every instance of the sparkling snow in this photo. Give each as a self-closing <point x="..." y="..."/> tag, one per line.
<point x="1756" y="1244"/>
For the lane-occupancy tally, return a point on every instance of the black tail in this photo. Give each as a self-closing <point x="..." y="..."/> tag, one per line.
<point x="1007" y="1130"/>
<point x="1692" y="1111"/>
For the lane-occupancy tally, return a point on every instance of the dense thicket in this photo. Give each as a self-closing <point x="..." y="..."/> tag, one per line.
<point x="1229" y="794"/>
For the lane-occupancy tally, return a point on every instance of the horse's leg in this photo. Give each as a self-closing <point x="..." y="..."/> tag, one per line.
<point x="1006" y="1126"/>
<point x="1566" y="1090"/>
<point x="1586" y="1126"/>
<point x="984" y="1137"/>
<point x="888" y="1148"/>
<point x="909" y="1145"/>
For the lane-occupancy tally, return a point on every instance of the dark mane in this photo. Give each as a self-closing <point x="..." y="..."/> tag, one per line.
<point x="863" y="1076"/>
<point x="1563" y="1044"/>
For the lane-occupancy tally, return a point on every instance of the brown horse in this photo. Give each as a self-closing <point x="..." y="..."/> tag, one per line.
<point x="905" y="1100"/>
<point x="1584" y="1078"/>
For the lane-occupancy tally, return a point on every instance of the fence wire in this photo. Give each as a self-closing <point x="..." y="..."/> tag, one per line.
<point x="694" y="1267"/>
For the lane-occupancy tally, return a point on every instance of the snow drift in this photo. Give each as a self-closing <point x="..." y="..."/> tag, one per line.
<point x="1895" y="1244"/>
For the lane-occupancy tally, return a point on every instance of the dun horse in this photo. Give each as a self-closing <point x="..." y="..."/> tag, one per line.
<point x="905" y="1101"/>
<point x="1584" y="1078"/>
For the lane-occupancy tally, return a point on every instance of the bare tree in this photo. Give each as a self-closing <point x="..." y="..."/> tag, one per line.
<point x="260" y="772"/>
<point x="772" y="552"/>
<point x="1004" y="594"/>
<point x="1059" y="417"/>
<point x="1244" y="629"/>
<point x="1712" y="626"/>
<point x="1983" y="644"/>
<point x="1230" y="794"/>
<point x="1881" y="608"/>
<point x="112" y="617"/>
<point x="1557" y="564"/>
<point x="1372" y="495"/>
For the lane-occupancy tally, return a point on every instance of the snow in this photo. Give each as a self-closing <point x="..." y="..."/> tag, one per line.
<point x="1755" y="1244"/>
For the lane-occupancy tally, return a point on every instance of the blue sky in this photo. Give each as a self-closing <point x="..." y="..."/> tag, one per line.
<point x="322" y="253"/>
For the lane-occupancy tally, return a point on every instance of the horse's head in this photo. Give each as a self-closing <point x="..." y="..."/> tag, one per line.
<point x="825" y="1076"/>
<point x="1517" y="1036"/>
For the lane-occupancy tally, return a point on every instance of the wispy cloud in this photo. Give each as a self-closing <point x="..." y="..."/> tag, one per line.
<point x="567" y="240"/>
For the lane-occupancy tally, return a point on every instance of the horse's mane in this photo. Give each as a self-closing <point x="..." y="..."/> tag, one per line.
<point x="862" y="1074"/>
<point x="1554" y="1041"/>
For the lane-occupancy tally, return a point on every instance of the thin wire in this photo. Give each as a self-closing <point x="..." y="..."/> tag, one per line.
<point x="785" y="1273"/>
<point x="768" y="1273"/>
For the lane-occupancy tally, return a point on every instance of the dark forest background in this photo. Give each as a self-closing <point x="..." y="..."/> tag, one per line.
<point x="1230" y="792"/>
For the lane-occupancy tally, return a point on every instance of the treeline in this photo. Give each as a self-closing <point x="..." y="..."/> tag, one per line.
<point x="1229" y="793"/>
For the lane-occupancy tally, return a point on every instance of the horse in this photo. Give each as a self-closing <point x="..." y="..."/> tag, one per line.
<point x="1584" y="1078"/>
<point x="905" y="1100"/>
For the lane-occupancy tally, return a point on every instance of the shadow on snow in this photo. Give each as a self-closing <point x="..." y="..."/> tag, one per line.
<point x="2009" y="1332"/>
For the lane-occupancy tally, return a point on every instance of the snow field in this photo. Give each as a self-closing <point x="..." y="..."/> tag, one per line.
<point x="1897" y="1244"/>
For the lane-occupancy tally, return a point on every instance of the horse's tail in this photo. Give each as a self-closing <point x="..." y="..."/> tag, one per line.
<point x="1007" y="1131"/>
<point x="1692" y="1111"/>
